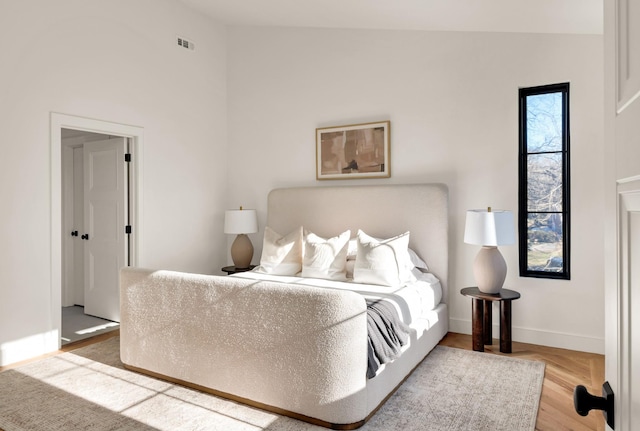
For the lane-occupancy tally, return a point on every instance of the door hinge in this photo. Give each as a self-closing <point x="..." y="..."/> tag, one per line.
<point x="127" y="157"/>
<point x="127" y="229"/>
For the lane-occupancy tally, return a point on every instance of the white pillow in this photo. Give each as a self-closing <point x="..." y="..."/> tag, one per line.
<point x="325" y="258"/>
<point x="352" y="249"/>
<point x="281" y="255"/>
<point x="415" y="259"/>
<point x="386" y="262"/>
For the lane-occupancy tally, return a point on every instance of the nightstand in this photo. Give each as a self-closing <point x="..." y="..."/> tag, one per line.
<point x="232" y="269"/>
<point x="481" y="311"/>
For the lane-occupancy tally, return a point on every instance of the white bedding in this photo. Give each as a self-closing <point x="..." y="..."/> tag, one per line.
<point x="242" y="338"/>
<point x="414" y="301"/>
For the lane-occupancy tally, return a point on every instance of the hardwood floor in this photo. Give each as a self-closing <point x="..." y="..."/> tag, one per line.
<point x="565" y="369"/>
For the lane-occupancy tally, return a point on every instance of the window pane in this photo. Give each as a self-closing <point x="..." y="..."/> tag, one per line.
<point x="544" y="182"/>
<point x="544" y="122"/>
<point x="544" y="242"/>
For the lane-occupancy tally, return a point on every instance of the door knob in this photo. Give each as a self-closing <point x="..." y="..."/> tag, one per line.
<point x="583" y="402"/>
<point x="85" y="236"/>
<point x="74" y="233"/>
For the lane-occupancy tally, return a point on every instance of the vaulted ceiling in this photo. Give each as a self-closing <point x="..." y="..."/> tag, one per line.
<point x="526" y="16"/>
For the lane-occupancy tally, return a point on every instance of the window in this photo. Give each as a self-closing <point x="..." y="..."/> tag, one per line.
<point x="544" y="216"/>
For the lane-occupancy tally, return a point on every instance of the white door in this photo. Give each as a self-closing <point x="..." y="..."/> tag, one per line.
<point x="627" y="356"/>
<point x="105" y="241"/>
<point x="622" y="230"/>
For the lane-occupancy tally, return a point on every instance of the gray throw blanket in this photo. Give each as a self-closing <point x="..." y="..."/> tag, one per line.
<point x="386" y="334"/>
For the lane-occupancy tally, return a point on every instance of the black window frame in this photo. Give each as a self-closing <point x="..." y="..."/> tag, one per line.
<point x="523" y="213"/>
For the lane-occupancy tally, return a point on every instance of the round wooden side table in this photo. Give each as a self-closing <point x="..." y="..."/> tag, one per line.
<point x="232" y="269"/>
<point x="481" y="310"/>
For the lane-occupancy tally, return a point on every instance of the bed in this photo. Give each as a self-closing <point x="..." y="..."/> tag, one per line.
<point x="294" y="345"/>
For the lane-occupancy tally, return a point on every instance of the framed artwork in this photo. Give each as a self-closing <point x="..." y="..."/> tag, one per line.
<point x="355" y="151"/>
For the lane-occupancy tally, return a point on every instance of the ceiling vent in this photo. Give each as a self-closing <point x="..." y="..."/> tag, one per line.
<point x="185" y="43"/>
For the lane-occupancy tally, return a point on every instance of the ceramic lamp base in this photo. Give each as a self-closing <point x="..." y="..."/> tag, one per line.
<point x="490" y="270"/>
<point x="242" y="251"/>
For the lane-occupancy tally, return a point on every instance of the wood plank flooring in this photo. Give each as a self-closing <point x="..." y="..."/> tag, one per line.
<point x="565" y="369"/>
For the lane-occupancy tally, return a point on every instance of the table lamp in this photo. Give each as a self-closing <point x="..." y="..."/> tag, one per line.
<point x="241" y="222"/>
<point x="489" y="229"/>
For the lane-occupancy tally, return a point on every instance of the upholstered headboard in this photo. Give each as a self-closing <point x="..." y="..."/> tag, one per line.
<point x="381" y="211"/>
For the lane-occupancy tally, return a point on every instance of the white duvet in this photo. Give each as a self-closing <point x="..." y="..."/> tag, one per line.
<point x="413" y="301"/>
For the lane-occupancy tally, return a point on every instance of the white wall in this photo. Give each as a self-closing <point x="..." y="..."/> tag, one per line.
<point x="115" y="61"/>
<point x="452" y="99"/>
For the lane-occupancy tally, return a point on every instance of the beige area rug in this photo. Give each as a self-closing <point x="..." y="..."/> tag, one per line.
<point x="88" y="389"/>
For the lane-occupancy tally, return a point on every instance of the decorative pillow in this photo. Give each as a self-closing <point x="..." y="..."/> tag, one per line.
<point x="415" y="259"/>
<point x="325" y="258"/>
<point x="352" y="249"/>
<point x="281" y="255"/>
<point x="386" y="262"/>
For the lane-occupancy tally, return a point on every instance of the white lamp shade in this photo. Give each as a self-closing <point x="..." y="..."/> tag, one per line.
<point x="491" y="228"/>
<point x="240" y="221"/>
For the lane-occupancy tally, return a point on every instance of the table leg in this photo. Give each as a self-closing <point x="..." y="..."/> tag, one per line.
<point x="477" y="311"/>
<point x="487" y="324"/>
<point x="505" y="326"/>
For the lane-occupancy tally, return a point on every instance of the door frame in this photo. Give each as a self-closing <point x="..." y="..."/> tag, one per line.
<point x="628" y="204"/>
<point x="64" y="121"/>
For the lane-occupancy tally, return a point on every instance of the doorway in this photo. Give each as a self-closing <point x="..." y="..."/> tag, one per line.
<point x="83" y="152"/>
<point x="95" y="201"/>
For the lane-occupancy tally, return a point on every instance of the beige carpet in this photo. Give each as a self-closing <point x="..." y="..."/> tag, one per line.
<point x="88" y="389"/>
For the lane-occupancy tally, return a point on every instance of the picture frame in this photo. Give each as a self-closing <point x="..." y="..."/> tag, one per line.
<point x="353" y="152"/>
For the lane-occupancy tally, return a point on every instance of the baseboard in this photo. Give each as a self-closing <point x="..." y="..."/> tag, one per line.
<point x="535" y="336"/>
<point x="28" y="347"/>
